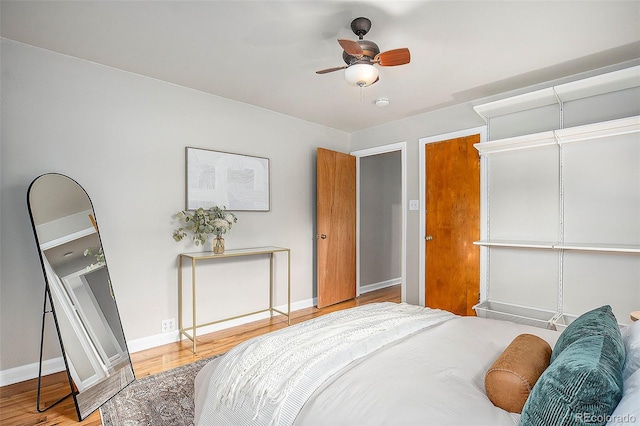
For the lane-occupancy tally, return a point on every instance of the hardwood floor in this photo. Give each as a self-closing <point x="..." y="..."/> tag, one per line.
<point x="18" y="401"/>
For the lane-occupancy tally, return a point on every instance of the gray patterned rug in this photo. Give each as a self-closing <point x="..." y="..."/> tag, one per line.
<point x="162" y="399"/>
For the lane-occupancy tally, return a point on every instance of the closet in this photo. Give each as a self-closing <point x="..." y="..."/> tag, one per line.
<point x="561" y="201"/>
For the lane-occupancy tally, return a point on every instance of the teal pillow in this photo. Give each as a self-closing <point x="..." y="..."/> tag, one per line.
<point x="596" y="322"/>
<point x="582" y="386"/>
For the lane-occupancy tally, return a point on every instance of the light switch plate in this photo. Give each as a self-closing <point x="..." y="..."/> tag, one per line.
<point x="414" y="204"/>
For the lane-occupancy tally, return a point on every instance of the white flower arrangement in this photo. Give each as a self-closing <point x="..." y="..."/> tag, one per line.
<point x="201" y="223"/>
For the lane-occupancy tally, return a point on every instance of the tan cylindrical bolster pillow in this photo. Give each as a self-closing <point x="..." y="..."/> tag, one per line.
<point x="511" y="377"/>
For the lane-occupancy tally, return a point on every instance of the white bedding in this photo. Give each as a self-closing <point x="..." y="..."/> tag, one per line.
<point x="268" y="379"/>
<point x="434" y="376"/>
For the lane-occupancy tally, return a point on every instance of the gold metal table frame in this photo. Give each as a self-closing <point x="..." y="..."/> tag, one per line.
<point x="190" y="332"/>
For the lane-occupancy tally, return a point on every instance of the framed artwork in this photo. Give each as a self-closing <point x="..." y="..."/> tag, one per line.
<point x="237" y="182"/>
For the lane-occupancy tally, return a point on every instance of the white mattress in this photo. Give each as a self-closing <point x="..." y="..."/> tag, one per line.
<point x="435" y="376"/>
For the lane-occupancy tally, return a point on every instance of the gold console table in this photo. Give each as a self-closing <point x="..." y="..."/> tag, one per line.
<point x="190" y="332"/>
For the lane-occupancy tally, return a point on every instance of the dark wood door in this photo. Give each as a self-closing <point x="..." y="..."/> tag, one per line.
<point x="336" y="227"/>
<point x="452" y="263"/>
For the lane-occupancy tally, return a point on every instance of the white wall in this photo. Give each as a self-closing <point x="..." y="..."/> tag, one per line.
<point x="122" y="136"/>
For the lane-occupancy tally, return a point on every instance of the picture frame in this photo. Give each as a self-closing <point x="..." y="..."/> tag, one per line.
<point x="234" y="181"/>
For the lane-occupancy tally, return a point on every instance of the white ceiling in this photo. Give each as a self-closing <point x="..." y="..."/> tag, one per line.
<point x="265" y="53"/>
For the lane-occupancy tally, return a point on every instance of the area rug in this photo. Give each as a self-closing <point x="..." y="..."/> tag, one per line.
<point x="163" y="399"/>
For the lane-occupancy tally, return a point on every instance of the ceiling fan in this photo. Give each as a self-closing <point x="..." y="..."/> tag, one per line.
<point x="361" y="56"/>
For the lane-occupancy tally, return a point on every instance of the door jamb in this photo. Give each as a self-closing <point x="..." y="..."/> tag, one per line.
<point x="383" y="149"/>
<point x="482" y="131"/>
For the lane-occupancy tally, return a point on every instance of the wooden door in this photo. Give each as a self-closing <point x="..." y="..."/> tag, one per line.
<point x="336" y="227"/>
<point x="452" y="264"/>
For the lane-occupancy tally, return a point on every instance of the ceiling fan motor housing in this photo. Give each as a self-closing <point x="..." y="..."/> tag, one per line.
<point x="369" y="50"/>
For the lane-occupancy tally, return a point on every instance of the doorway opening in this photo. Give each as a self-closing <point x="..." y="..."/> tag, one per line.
<point x="381" y="199"/>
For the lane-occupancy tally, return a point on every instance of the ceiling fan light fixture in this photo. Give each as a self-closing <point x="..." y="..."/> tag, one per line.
<point x="361" y="74"/>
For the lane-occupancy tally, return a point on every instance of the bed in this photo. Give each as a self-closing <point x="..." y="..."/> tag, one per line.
<point x="424" y="367"/>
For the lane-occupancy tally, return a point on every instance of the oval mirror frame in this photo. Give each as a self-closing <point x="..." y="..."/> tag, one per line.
<point x="79" y="292"/>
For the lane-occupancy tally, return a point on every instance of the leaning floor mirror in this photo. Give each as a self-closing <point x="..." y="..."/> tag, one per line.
<point x="79" y="297"/>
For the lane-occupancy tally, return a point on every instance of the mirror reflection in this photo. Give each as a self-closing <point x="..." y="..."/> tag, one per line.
<point x="82" y="298"/>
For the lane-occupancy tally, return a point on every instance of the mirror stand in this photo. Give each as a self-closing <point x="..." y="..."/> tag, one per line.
<point x="45" y="311"/>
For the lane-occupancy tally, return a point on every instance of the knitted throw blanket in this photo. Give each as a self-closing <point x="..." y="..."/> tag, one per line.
<point x="271" y="376"/>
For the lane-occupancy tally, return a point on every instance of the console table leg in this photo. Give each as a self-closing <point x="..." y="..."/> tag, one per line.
<point x="180" y="296"/>
<point x="271" y="285"/>
<point x="193" y="294"/>
<point x="288" y="287"/>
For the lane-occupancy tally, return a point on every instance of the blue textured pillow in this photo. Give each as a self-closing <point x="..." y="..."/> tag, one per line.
<point x="597" y="322"/>
<point x="582" y="386"/>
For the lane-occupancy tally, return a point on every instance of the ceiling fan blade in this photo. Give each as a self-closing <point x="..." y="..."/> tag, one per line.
<point x="393" y="57"/>
<point x="351" y="47"/>
<point x="327" y="70"/>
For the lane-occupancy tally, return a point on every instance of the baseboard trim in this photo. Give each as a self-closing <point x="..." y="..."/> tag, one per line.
<point x="56" y="365"/>
<point x="382" y="284"/>
<point x="30" y="371"/>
